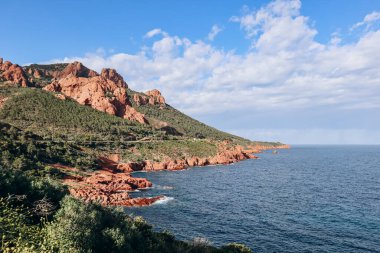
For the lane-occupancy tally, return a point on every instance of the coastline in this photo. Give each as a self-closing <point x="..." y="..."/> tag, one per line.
<point x="111" y="185"/>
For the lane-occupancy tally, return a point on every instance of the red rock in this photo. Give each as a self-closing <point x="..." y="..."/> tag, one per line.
<point x="132" y="114"/>
<point x="13" y="73"/>
<point x="140" y="99"/>
<point x="160" y="166"/>
<point x="36" y="73"/>
<point x="176" y="165"/>
<point x="105" y="92"/>
<point x="155" y="97"/>
<point x="107" y="188"/>
<point x="130" y="167"/>
<point x="141" y="201"/>
<point x="76" y="69"/>
<point x="111" y="74"/>
<point x="193" y="161"/>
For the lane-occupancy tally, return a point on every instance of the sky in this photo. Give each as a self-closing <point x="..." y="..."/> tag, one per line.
<point x="299" y="72"/>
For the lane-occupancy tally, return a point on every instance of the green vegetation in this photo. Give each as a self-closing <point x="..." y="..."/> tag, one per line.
<point x="78" y="227"/>
<point x="183" y="123"/>
<point x="35" y="215"/>
<point x="174" y="149"/>
<point x="42" y="113"/>
<point x="66" y="122"/>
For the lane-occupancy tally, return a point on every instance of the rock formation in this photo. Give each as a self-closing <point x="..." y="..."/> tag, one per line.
<point x="105" y="92"/>
<point x="13" y="73"/>
<point x="49" y="71"/>
<point x="76" y="69"/>
<point x="155" y="97"/>
<point x="108" y="186"/>
<point x="152" y="97"/>
<point x="140" y="100"/>
<point x="36" y="73"/>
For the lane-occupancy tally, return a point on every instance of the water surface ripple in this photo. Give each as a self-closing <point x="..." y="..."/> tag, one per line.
<point x="306" y="199"/>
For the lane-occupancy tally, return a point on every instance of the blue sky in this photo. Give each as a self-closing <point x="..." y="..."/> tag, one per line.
<point x="293" y="71"/>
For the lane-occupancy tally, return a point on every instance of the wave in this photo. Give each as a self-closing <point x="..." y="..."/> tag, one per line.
<point x="164" y="200"/>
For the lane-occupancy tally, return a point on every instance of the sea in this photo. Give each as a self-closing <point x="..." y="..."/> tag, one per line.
<point x="305" y="199"/>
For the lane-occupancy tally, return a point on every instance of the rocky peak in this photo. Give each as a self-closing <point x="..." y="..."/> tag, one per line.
<point x="13" y="73"/>
<point x="77" y="69"/>
<point x="111" y="74"/>
<point x="105" y="92"/>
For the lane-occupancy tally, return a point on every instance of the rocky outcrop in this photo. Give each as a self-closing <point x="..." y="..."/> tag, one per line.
<point x="13" y="73"/>
<point x="152" y="97"/>
<point x="140" y="100"/>
<point x="226" y="155"/>
<point x="76" y="69"/>
<point x="111" y="74"/>
<point x="36" y="73"/>
<point x="132" y="114"/>
<point x="155" y="97"/>
<point x="111" y="185"/>
<point x="105" y="92"/>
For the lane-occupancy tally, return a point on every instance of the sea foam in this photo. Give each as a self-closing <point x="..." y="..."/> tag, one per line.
<point x="164" y="200"/>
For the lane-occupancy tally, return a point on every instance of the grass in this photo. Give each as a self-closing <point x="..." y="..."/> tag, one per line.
<point x="48" y="67"/>
<point x="183" y="123"/>
<point x="174" y="149"/>
<point x="42" y="113"/>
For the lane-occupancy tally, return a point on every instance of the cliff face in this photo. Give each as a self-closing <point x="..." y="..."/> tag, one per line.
<point x="13" y="73"/>
<point x="105" y="92"/>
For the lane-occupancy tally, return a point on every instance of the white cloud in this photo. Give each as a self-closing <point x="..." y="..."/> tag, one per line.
<point x="155" y="32"/>
<point x="286" y="67"/>
<point x="215" y="30"/>
<point x="367" y="21"/>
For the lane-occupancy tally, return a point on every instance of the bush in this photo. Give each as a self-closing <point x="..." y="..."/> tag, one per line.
<point x="80" y="227"/>
<point x="236" y="248"/>
<point x="17" y="231"/>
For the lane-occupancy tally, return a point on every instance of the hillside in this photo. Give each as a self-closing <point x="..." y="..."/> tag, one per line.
<point x="36" y="215"/>
<point x="161" y="115"/>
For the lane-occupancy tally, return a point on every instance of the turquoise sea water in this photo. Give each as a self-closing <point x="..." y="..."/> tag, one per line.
<point x="306" y="199"/>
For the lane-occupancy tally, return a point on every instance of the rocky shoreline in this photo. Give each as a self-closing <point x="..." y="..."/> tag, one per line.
<point x="110" y="186"/>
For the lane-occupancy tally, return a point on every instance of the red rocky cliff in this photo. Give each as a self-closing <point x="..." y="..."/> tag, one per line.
<point x="105" y="92"/>
<point x="13" y="73"/>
